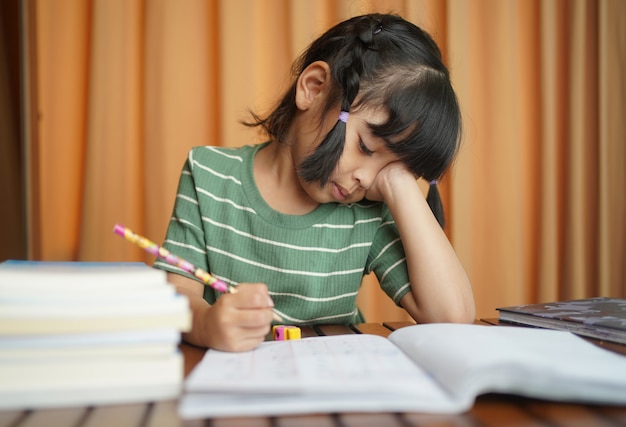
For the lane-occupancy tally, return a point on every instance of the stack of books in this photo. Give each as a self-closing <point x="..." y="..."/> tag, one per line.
<point x="76" y="333"/>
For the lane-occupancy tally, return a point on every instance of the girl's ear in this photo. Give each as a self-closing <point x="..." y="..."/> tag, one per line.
<point x="313" y="81"/>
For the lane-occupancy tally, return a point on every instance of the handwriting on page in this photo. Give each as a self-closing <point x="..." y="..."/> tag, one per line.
<point x="311" y="364"/>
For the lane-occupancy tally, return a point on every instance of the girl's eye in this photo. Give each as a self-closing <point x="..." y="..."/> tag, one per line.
<point x="364" y="148"/>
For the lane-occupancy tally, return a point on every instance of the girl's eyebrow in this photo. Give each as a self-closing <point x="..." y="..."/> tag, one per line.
<point x="370" y="126"/>
<point x="373" y="124"/>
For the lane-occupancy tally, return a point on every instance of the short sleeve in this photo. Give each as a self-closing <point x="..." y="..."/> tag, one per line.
<point x="185" y="235"/>
<point x="388" y="260"/>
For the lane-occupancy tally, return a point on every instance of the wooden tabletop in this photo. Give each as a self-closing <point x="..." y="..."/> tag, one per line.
<point x="489" y="410"/>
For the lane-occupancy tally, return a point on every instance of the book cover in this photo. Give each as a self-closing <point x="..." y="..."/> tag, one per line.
<point x="82" y="346"/>
<point x="600" y="317"/>
<point x="83" y="381"/>
<point x="42" y="277"/>
<point x="48" y="297"/>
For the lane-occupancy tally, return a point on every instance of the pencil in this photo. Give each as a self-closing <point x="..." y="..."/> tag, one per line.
<point x="162" y="253"/>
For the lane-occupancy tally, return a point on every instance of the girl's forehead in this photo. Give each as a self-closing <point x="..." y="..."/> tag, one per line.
<point x="376" y="116"/>
<point x="373" y="116"/>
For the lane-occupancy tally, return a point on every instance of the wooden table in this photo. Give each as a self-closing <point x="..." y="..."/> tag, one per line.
<point x="489" y="410"/>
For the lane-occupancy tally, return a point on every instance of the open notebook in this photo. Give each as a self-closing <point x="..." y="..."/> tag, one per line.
<point x="437" y="368"/>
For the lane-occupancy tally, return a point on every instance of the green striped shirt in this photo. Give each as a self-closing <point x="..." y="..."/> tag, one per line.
<point x="313" y="264"/>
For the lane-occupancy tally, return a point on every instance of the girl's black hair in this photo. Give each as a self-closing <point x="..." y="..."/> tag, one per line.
<point x="391" y="64"/>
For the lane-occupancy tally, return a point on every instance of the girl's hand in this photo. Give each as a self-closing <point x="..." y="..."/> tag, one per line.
<point x="236" y="322"/>
<point x="390" y="180"/>
<point x="240" y="321"/>
<point x="440" y="288"/>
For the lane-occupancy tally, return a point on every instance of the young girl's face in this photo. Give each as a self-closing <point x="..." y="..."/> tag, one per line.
<point x="363" y="157"/>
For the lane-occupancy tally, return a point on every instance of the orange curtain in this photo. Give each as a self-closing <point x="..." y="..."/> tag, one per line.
<point x="535" y="201"/>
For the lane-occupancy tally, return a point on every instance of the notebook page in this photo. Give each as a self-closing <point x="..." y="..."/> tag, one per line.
<point x="343" y="364"/>
<point x="471" y="359"/>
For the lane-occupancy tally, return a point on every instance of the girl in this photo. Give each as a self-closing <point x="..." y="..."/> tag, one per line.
<point x="297" y="221"/>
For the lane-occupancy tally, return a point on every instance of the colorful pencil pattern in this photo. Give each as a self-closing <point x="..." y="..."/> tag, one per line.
<point x="171" y="259"/>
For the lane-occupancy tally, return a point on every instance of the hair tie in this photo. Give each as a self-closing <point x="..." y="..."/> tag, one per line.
<point x="379" y="28"/>
<point x="433" y="182"/>
<point x="343" y="116"/>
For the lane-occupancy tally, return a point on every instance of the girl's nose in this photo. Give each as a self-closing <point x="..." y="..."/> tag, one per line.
<point x="365" y="176"/>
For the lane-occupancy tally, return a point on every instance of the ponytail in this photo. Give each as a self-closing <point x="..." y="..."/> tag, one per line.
<point x="433" y="198"/>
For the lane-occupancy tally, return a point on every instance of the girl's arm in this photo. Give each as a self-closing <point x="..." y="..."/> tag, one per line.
<point x="236" y="322"/>
<point x="440" y="288"/>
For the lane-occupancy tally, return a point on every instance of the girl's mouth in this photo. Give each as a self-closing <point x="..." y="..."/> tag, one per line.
<point x="339" y="193"/>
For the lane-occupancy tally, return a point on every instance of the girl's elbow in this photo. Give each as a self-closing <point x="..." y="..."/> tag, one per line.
<point x="460" y="311"/>
<point x="463" y="316"/>
<point x="465" y="312"/>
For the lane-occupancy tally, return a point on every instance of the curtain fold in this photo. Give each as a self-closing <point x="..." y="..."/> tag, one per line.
<point x="535" y="201"/>
<point x="113" y="160"/>
<point x="612" y="152"/>
<point x="181" y="100"/>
